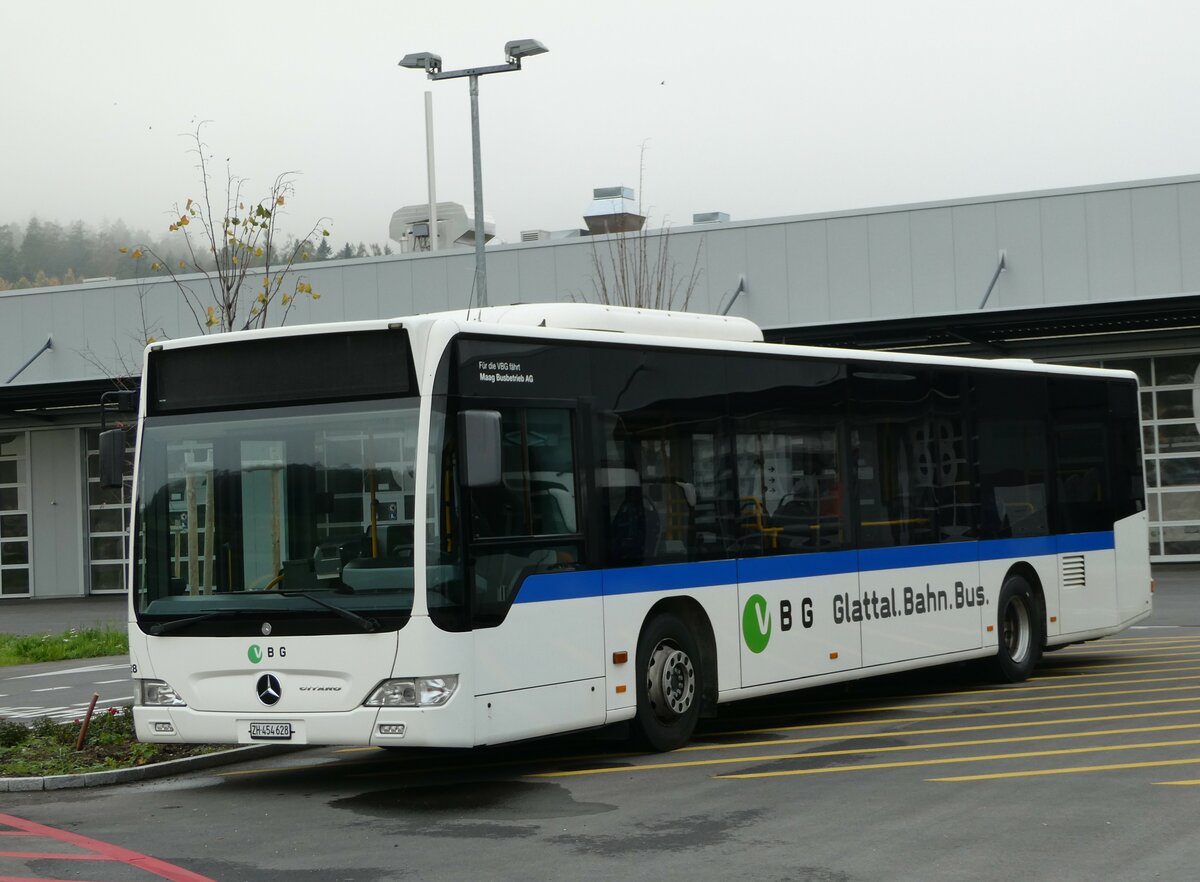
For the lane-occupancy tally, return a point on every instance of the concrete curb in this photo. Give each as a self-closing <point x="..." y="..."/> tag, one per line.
<point x="145" y="773"/>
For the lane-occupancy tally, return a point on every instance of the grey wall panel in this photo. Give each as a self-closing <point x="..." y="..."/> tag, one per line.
<point x="766" y="269"/>
<point x="890" y="254"/>
<point x="55" y="481"/>
<point x="459" y="291"/>
<point x="99" y="329"/>
<point x="360" y="292"/>
<point x="1110" y="245"/>
<point x="37" y="323"/>
<point x="722" y="260"/>
<point x="932" y="234"/>
<point x="67" y="323"/>
<point x="429" y="284"/>
<point x="395" y="281"/>
<point x="808" y="273"/>
<point x="1157" y="253"/>
<point x="1019" y="234"/>
<point x="1189" y="235"/>
<point x="503" y="278"/>
<point x="536" y="275"/>
<point x="1064" y="248"/>
<point x="849" y="269"/>
<point x="976" y="253"/>
<point x="573" y="272"/>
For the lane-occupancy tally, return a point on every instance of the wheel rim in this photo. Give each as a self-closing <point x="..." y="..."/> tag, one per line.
<point x="670" y="681"/>
<point x="1016" y="631"/>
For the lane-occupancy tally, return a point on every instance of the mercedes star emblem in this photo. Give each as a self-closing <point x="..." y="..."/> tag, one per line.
<point x="266" y="629"/>
<point x="269" y="689"/>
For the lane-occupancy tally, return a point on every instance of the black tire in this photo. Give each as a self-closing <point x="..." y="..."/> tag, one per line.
<point x="669" y="683"/>
<point x="1020" y="631"/>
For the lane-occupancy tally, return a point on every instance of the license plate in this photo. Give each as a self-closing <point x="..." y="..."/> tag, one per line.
<point x="271" y="731"/>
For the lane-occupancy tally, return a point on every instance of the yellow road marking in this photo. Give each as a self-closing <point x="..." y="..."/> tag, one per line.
<point x="816" y="739"/>
<point x="896" y="748"/>
<point x="967" y="759"/>
<point x="1193" y="783"/>
<point x="1066" y="673"/>
<point x="1074" y="770"/>
<point x="938" y="717"/>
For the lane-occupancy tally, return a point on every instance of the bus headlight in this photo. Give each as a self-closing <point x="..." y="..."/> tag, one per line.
<point x="158" y="693"/>
<point x="413" y="692"/>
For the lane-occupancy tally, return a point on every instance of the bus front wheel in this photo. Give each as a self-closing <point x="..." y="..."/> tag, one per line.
<point x="669" y="678"/>
<point x="1020" y="631"/>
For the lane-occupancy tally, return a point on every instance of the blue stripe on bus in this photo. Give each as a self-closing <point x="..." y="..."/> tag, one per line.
<point x="705" y="574"/>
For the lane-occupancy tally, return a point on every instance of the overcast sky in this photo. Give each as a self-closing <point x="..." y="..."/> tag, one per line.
<point x="759" y="109"/>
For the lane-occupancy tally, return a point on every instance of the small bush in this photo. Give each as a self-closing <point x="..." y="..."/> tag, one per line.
<point x="12" y="734"/>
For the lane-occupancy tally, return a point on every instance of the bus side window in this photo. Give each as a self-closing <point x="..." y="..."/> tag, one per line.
<point x="526" y="524"/>
<point x="1014" y="458"/>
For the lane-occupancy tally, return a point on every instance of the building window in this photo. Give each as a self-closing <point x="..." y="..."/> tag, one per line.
<point x="1171" y="438"/>
<point x="107" y="520"/>
<point x="14" y="515"/>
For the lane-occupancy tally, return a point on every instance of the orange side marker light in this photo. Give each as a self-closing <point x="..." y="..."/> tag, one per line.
<point x="619" y="658"/>
<point x="621" y="689"/>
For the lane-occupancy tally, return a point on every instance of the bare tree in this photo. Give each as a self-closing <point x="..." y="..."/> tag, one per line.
<point x="235" y="237"/>
<point x="637" y="269"/>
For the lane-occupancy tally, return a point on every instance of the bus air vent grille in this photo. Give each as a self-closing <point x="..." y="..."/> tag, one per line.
<point x="1074" y="573"/>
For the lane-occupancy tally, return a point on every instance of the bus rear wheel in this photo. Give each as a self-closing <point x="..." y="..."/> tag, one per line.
<point x="1020" y="628"/>
<point x="669" y="682"/>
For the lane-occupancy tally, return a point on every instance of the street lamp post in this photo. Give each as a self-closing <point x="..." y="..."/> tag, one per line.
<point x="514" y="51"/>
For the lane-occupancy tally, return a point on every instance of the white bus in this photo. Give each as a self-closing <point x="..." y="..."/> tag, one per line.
<point x="466" y="529"/>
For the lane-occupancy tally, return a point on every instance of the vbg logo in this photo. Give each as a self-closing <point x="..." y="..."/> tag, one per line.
<point x="756" y="623"/>
<point x="756" y="620"/>
<point x="255" y="653"/>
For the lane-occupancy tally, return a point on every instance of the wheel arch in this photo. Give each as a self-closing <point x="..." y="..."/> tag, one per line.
<point x="693" y="614"/>
<point x="1027" y="572"/>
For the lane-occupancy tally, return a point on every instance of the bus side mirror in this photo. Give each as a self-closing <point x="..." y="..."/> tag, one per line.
<point x="112" y="458"/>
<point x="479" y="440"/>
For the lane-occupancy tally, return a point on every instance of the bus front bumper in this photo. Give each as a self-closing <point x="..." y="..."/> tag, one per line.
<point x="448" y="726"/>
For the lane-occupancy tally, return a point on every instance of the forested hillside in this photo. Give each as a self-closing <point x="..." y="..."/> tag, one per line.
<point x="48" y="253"/>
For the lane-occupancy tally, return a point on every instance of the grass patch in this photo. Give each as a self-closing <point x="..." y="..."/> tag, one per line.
<point x="17" y="649"/>
<point x="48" y="748"/>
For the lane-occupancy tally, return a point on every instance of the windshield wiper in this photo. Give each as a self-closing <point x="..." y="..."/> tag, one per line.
<point x="368" y="625"/>
<point x="178" y="624"/>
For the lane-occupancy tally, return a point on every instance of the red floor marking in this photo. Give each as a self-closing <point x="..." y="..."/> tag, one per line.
<point x="101" y="851"/>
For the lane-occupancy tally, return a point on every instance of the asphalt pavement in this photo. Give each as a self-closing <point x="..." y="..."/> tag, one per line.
<point x="58" y="614"/>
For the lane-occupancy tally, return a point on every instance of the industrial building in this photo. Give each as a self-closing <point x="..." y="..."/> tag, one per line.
<point x="1106" y="274"/>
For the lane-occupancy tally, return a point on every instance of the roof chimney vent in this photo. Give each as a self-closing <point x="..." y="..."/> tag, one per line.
<point x="710" y="217"/>
<point x="612" y="211"/>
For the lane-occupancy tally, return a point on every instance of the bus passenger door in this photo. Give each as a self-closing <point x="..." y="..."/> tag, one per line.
<point x="536" y="611"/>
<point x="915" y="511"/>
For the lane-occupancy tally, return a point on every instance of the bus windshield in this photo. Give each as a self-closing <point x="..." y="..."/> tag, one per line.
<point x="293" y="509"/>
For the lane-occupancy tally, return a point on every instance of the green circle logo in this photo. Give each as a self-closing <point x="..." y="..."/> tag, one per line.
<point x="756" y="623"/>
<point x="254" y="653"/>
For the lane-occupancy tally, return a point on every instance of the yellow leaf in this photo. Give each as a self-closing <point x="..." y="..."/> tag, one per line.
<point x="258" y="252"/>
<point x="286" y="300"/>
<point x="137" y="254"/>
<point x="150" y="340"/>
<point x="189" y="205"/>
<point x="316" y="297"/>
<point x="235" y="260"/>
<point x="123" y="250"/>
<point x="183" y="222"/>
<point x="279" y="200"/>
<point x="183" y="264"/>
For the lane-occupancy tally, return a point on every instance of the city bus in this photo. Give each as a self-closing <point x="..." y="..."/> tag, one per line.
<point x="464" y="529"/>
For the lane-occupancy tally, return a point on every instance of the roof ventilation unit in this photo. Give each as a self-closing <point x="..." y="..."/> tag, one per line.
<point x="613" y="210"/>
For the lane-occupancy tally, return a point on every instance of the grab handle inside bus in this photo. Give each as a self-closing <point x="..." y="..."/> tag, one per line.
<point x="480" y="439"/>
